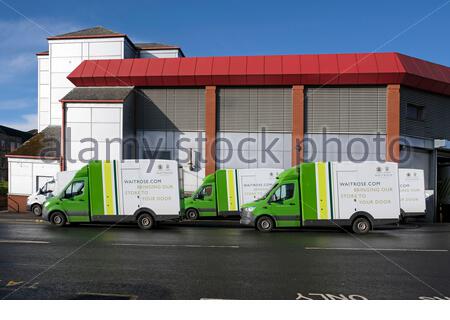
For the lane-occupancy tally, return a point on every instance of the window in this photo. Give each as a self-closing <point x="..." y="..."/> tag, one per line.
<point x="206" y="191"/>
<point x="414" y="112"/>
<point x="75" y="189"/>
<point x="284" y="192"/>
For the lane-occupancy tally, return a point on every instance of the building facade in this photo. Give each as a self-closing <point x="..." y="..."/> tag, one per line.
<point x="253" y="111"/>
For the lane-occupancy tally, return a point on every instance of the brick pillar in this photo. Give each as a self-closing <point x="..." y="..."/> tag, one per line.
<point x="210" y="129"/>
<point x="393" y="123"/>
<point x="298" y="123"/>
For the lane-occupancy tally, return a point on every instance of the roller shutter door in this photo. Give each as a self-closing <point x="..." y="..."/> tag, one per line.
<point x="252" y="109"/>
<point x="171" y="109"/>
<point x="346" y="110"/>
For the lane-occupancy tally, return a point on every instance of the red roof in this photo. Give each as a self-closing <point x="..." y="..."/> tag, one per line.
<point x="308" y="69"/>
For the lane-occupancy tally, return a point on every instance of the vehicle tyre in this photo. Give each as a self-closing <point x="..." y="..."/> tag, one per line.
<point x="36" y="209"/>
<point x="361" y="225"/>
<point x="265" y="224"/>
<point x="145" y="221"/>
<point x="191" y="214"/>
<point x="58" y="219"/>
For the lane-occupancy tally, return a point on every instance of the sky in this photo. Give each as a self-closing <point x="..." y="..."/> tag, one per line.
<point x="205" y="28"/>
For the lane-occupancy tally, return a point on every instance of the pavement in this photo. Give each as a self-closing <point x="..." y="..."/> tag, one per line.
<point x="215" y="259"/>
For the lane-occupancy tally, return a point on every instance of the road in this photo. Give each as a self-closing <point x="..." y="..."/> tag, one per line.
<point x="215" y="260"/>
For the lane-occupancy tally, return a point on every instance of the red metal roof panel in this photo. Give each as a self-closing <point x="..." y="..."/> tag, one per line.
<point x="328" y="69"/>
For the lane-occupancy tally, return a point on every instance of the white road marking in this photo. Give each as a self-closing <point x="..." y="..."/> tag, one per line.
<point x="378" y="249"/>
<point x="174" y="245"/>
<point x="24" y="241"/>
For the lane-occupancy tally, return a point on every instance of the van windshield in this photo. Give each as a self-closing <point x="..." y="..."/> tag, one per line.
<point x="268" y="192"/>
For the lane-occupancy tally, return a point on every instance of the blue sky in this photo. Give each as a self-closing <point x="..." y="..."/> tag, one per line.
<point x="206" y="28"/>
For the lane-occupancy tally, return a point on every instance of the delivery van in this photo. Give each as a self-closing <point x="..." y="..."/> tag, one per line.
<point x="36" y="200"/>
<point x="223" y="192"/>
<point x="359" y="195"/>
<point x="412" y="193"/>
<point x="142" y="191"/>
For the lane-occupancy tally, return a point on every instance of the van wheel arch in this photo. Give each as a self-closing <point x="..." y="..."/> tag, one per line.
<point x="144" y="210"/>
<point x="363" y="214"/>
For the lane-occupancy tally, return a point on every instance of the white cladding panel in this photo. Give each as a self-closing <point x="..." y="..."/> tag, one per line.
<point x="96" y="121"/>
<point x="159" y="54"/>
<point x="43" y="92"/>
<point x="25" y="174"/>
<point x="370" y="187"/>
<point x="97" y="49"/>
<point x="66" y="49"/>
<point x="65" y="56"/>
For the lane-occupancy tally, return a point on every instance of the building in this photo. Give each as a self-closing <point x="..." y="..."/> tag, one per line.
<point x="10" y="140"/>
<point x="251" y="111"/>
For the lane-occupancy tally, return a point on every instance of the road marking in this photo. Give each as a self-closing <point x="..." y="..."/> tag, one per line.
<point x="24" y="241"/>
<point x="378" y="249"/>
<point x="108" y="296"/>
<point x="20" y="221"/>
<point x="174" y="245"/>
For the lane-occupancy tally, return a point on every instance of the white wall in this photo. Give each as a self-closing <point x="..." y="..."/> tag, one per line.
<point x="24" y="173"/>
<point x="159" y="53"/>
<point x="98" y="121"/>
<point x="43" y="92"/>
<point x="64" y="57"/>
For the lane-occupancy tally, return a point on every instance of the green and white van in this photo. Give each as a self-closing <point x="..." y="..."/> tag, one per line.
<point x="223" y="192"/>
<point x="359" y="195"/>
<point x="142" y="191"/>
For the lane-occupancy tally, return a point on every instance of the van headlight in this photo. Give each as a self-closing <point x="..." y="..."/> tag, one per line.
<point x="250" y="209"/>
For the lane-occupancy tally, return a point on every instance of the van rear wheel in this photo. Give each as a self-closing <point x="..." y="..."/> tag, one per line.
<point x="36" y="209"/>
<point x="361" y="225"/>
<point x="145" y="221"/>
<point x="265" y="224"/>
<point x="58" y="219"/>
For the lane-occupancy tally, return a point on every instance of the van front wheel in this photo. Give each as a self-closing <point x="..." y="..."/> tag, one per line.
<point x="361" y="225"/>
<point x="37" y="210"/>
<point x="145" y="221"/>
<point x="192" y="214"/>
<point x="58" y="219"/>
<point x="265" y="224"/>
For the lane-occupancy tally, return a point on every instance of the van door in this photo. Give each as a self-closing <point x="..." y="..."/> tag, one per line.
<point x="205" y="201"/>
<point x="75" y="201"/>
<point x="284" y="205"/>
